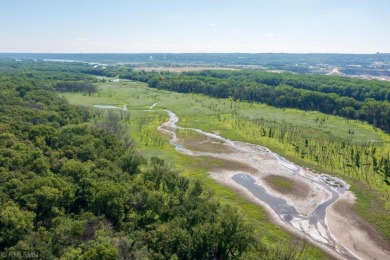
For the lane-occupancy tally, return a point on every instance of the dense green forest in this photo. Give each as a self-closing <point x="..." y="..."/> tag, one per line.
<point x="73" y="189"/>
<point x="76" y="87"/>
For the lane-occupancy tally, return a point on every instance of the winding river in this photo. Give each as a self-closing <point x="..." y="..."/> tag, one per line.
<point x="309" y="219"/>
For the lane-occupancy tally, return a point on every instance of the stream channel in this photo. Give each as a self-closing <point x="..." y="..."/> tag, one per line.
<point x="312" y="225"/>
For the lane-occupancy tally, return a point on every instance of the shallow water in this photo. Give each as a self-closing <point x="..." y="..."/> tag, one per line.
<point x="106" y="106"/>
<point x="279" y="205"/>
<point x="111" y="107"/>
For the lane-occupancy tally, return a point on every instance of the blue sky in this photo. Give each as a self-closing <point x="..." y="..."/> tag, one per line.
<point x="297" y="26"/>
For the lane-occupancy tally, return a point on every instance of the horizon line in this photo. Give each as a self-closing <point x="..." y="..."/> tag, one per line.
<point x="307" y="53"/>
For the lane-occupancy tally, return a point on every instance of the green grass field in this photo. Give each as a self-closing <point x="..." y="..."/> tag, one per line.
<point x="237" y="121"/>
<point x="138" y="96"/>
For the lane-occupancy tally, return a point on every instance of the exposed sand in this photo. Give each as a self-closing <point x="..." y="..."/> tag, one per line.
<point x="225" y="177"/>
<point x="356" y="235"/>
<point x="304" y="204"/>
<point x="205" y="144"/>
<point x="293" y="188"/>
<point x="359" y="238"/>
<point x="324" y="210"/>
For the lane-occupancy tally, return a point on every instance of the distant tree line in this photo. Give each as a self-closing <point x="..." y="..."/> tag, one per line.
<point x="357" y="89"/>
<point x="85" y="87"/>
<point x="344" y="98"/>
<point x="365" y="100"/>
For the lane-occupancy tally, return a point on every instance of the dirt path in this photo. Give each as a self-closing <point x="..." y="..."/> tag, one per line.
<point x="299" y="199"/>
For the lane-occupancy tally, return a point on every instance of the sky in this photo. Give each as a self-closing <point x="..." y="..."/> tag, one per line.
<point x="185" y="26"/>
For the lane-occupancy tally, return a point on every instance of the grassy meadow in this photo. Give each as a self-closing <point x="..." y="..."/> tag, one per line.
<point x="308" y="138"/>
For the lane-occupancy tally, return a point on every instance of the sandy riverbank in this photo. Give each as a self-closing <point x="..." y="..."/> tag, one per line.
<point x="224" y="177"/>
<point x="356" y="235"/>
